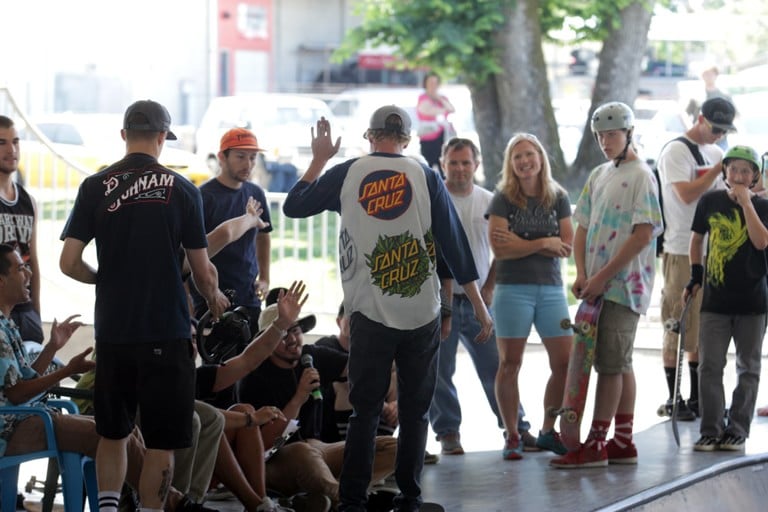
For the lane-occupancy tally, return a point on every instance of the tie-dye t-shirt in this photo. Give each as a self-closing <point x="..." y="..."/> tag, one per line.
<point x="612" y="202"/>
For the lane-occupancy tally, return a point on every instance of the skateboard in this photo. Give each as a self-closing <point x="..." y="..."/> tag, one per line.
<point x="677" y="326"/>
<point x="579" y="371"/>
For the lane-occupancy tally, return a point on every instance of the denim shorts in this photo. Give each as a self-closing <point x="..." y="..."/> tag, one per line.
<point x="516" y="307"/>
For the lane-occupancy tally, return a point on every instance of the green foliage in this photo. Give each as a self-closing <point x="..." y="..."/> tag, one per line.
<point x="454" y="37"/>
<point x="590" y="20"/>
<point x="457" y="37"/>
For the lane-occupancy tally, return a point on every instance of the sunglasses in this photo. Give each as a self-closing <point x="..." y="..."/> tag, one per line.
<point x="715" y="129"/>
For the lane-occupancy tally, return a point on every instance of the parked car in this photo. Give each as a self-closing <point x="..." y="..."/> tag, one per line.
<point x="91" y="141"/>
<point x="583" y="62"/>
<point x="281" y="123"/>
<point x="664" y="68"/>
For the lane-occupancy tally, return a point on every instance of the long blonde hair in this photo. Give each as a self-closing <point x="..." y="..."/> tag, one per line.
<point x="549" y="189"/>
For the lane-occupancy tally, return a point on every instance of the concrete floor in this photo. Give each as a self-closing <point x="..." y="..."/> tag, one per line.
<point x="481" y="481"/>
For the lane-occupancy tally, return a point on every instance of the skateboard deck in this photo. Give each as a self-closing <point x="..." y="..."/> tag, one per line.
<point x="579" y="371"/>
<point x="678" y="326"/>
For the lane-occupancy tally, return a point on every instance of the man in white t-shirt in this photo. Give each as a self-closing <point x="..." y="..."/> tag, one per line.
<point x="460" y="160"/>
<point x="683" y="182"/>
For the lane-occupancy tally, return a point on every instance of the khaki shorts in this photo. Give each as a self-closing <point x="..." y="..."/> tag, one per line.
<point x="677" y="274"/>
<point x="616" y="331"/>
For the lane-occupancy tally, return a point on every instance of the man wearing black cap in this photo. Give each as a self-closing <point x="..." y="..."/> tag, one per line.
<point x="288" y="380"/>
<point x="140" y="213"/>
<point x="393" y="213"/>
<point x="688" y="167"/>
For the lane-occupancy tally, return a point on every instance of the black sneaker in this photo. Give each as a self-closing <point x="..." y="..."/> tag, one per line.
<point x="187" y="505"/>
<point x="706" y="444"/>
<point x="380" y="500"/>
<point x="684" y="413"/>
<point x="693" y="405"/>
<point x="731" y="443"/>
<point x="307" y="502"/>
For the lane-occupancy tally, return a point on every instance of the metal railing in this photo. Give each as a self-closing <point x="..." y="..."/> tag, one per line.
<point x="303" y="249"/>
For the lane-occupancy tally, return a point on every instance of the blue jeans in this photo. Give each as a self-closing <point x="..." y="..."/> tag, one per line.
<point x="373" y="349"/>
<point x="445" y="413"/>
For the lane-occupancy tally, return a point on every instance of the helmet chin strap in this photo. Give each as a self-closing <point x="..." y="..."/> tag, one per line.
<point x="623" y="154"/>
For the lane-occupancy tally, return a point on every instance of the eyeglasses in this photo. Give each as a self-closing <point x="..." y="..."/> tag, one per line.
<point x="25" y="267"/>
<point x="715" y="130"/>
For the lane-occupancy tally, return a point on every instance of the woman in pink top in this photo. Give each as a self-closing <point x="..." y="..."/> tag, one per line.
<point x="432" y="111"/>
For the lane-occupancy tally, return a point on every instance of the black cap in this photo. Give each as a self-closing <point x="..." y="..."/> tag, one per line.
<point x="720" y="113"/>
<point x="154" y="118"/>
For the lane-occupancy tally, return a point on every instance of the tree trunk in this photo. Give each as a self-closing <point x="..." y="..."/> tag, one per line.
<point x="618" y="78"/>
<point x="516" y="99"/>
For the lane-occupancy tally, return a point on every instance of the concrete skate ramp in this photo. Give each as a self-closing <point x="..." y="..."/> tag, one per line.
<point x="739" y="484"/>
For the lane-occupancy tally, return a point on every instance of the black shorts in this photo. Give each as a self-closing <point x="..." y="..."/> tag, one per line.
<point x="157" y="378"/>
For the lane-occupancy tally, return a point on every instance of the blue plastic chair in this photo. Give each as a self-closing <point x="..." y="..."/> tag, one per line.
<point x="69" y="462"/>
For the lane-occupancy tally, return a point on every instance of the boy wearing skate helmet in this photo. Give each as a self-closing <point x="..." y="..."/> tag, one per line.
<point x="735" y="298"/>
<point x="614" y="247"/>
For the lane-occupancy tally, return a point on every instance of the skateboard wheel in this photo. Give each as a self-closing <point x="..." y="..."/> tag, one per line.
<point x="565" y="323"/>
<point x="570" y="416"/>
<point x="672" y="325"/>
<point x="662" y="411"/>
<point x="553" y="412"/>
<point x="583" y="328"/>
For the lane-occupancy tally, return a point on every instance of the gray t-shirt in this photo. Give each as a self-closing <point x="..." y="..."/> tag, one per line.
<point x="531" y="223"/>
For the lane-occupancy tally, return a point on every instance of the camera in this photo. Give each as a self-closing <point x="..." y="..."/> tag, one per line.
<point x="225" y="338"/>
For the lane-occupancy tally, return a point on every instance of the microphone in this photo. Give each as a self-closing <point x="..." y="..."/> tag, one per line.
<point x="307" y="362"/>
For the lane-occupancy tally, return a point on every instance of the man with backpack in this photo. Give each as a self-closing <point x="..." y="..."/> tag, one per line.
<point x="688" y="167"/>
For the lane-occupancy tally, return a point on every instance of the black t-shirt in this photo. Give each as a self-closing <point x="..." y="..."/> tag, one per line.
<point x="735" y="271"/>
<point x="139" y="292"/>
<point x="236" y="263"/>
<point x="271" y="385"/>
<point x="330" y="430"/>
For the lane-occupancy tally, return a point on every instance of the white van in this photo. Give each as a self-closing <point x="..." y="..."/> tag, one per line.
<point x="281" y="123"/>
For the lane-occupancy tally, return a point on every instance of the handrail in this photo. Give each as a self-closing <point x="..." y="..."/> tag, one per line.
<point x="45" y="141"/>
<point x="679" y="484"/>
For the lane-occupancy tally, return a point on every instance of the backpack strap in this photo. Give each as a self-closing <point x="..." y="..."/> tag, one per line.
<point x="694" y="148"/>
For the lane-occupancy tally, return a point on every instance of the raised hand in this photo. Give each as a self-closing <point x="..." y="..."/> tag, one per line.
<point x="62" y="332"/>
<point x="289" y="303"/>
<point x="322" y="141"/>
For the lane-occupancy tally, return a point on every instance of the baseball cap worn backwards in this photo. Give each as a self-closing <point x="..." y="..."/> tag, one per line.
<point x="239" y="138"/>
<point x="720" y="113"/>
<point x="148" y="116"/>
<point x="379" y="120"/>
<point x="269" y="315"/>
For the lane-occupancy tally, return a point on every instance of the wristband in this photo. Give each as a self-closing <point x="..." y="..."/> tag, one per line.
<point x="445" y="310"/>
<point x="248" y="419"/>
<point x="697" y="276"/>
<point x="283" y="332"/>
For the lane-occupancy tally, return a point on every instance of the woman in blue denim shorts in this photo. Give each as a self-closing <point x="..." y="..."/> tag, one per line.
<point x="530" y="231"/>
